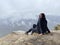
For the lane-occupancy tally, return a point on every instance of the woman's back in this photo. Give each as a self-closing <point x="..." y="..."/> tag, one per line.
<point x="42" y="23"/>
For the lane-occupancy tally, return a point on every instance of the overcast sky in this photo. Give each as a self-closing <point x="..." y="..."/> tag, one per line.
<point x="21" y="7"/>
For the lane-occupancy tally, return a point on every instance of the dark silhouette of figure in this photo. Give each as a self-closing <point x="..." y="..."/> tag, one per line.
<point x="42" y="24"/>
<point x="33" y="30"/>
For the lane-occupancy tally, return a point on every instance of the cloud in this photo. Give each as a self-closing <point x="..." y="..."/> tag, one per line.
<point x="19" y="7"/>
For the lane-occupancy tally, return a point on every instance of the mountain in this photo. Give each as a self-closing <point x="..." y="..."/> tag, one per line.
<point x="10" y="24"/>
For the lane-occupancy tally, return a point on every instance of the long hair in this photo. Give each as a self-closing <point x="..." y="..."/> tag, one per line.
<point x="43" y="16"/>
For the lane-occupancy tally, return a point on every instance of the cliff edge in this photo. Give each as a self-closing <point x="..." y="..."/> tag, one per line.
<point x="17" y="38"/>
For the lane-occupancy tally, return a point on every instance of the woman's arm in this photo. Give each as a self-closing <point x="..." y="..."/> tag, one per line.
<point x="38" y="23"/>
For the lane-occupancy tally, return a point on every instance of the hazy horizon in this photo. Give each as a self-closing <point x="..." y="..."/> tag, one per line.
<point x="28" y="7"/>
<point x="19" y="14"/>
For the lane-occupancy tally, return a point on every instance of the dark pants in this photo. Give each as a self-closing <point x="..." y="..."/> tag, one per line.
<point x="32" y="30"/>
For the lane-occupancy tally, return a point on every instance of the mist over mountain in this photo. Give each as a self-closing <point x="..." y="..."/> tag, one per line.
<point x="10" y="24"/>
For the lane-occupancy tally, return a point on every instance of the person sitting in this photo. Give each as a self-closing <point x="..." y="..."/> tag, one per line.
<point x="33" y="30"/>
<point x="42" y="24"/>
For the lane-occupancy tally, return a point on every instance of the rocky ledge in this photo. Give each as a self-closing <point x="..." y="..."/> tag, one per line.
<point x="17" y="38"/>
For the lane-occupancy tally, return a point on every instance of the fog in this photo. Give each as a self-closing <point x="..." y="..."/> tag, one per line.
<point x="16" y="8"/>
<point x="22" y="14"/>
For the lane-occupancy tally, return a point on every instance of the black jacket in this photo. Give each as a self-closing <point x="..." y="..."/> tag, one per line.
<point x="42" y="26"/>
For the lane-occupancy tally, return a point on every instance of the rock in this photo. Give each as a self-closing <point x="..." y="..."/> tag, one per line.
<point x="35" y="39"/>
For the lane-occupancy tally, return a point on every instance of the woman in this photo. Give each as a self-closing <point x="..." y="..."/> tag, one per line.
<point x="42" y="24"/>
